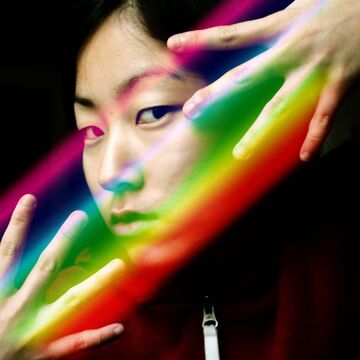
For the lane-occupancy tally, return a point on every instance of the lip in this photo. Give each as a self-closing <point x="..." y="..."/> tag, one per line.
<point x="127" y="222"/>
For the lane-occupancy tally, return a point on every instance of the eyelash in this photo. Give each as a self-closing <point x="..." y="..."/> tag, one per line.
<point x="158" y="112"/>
<point x="92" y="133"/>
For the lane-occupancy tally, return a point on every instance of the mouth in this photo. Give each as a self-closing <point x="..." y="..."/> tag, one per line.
<point x="131" y="223"/>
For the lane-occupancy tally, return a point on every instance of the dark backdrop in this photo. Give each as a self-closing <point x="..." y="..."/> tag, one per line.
<point x="35" y="109"/>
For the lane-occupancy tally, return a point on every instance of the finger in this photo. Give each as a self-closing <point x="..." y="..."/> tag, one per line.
<point x="321" y="122"/>
<point x="16" y="232"/>
<point x="233" y="36"/>
<point x="278" y="108"/>
<point x="75" y="299"/>
<point x="52" y="257"/>
<point x="243" y="76"/>
<point x="69" y="345"/>
<point x="263" y="66"/>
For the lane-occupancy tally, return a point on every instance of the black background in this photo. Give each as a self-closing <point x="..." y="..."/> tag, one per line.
<point x="35" y="103"/>
<point x="36" y="109"/>
<point x="36" y="114"/>
<point x="35" y="68"/>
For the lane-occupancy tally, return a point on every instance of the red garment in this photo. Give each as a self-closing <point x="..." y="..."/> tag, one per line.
<point x="285" y="280"/>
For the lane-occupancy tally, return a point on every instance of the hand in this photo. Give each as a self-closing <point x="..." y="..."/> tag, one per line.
<point x="314" y="35"/>
<point x="24" y="309"/>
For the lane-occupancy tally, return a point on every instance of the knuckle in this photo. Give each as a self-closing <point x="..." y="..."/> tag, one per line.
<point x="237" y="75"/>
<point x="195" y="38"/>
<point x="227" y="34"/>
<point x="341" y="74"/>
<point x="321" y="123"/>
<point x="277" y="105"/>
<point x="8" y="248"/>
<point x="20" y="217"/>
<point x="80" y="342"/>
<point x="71" y="298"/>
<point x="47" y="264"/>
<point x="66" y="233"/>
<point x="314" y="137"/>
<point x="338" y="71"/>
<point x="98" y="338"/>
<point x="5" y="319"/>
<point x="11" y="310"/>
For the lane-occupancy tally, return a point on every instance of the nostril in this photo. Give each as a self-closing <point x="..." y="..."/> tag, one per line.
<point x="130" y="179"/>
<point x="123" y="187"/>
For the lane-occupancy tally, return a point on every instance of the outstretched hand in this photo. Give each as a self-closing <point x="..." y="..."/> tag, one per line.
<point x="313" y="35"/>
<point x="23" y="314"/>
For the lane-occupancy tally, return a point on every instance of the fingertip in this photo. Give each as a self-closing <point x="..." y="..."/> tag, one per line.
<point x="172" y="42"/>
<point x="306" y="152"/>
<point x="305" y="156"/>
<point x="190" y="110"/>
<point x="110" y="332"/>
<point x="78" y="216"/>
<point x="28" y="201"/>
<point x="176" y="42"/>
<point x="75" y="222"/>
<point x="117" y="265"/>
<point x="241" y="152"/>
<point x="118" y="329"/>
<point x="235" y="153"/>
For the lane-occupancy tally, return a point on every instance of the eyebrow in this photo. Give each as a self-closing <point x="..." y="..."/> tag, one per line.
<point x="130" y="83"/>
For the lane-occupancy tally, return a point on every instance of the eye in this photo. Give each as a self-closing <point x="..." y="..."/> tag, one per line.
<point x="156" y="113"/>
<point x="91" y="133"/>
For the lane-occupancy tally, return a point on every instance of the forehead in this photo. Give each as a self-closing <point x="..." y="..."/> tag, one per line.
<point x="117" y="50"/>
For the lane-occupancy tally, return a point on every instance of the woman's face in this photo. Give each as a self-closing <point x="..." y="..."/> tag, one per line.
<point x="138" y="146"/>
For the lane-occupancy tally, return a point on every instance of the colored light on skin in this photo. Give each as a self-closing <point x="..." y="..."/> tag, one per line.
<point x="187" y="209"/>
<point x="68" y="153"/>
<point x="245" y="186"/>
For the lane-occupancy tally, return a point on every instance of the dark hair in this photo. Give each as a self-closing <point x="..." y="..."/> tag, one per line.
<point x="163" y="18"/>
<point x="160" y="19"/>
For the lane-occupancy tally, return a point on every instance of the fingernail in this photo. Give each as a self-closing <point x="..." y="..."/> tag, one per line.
<point x="117" y="263"/>
<point x="305" y="156"/>
<point x="241" y="152"/>
<point x="191" y="110"/>
<point x="78" y="219"/>
<point x="118" y="329"/>
<point x="28" y="201"/>
<point x="78" y="215"/>
<point x="114" y="265"/>
<point x="176" y="42"/>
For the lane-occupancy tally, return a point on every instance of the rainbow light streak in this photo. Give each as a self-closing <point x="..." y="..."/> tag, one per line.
<point x="43" y="175"/>
<point x="139" y="163"/>
<point x="230" y="11"/>
<point x="164" y="249"/>
<point x="219" y="180"/>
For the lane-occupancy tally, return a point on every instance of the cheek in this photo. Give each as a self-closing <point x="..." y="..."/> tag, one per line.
<point x="102" y="198"/>
<point x="175" y="161"/>
<point x="91" y="165"/>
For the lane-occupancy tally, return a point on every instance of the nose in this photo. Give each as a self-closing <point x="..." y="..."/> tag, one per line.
<point x="119" y="172"/>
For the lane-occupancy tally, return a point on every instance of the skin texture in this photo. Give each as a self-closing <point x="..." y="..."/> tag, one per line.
<point x="122" y="140"/>
<point x="327" y="41"/>
<point x="121" y="129"/>
<point x="118" y="140"/>
<point x="27" y="301"/>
